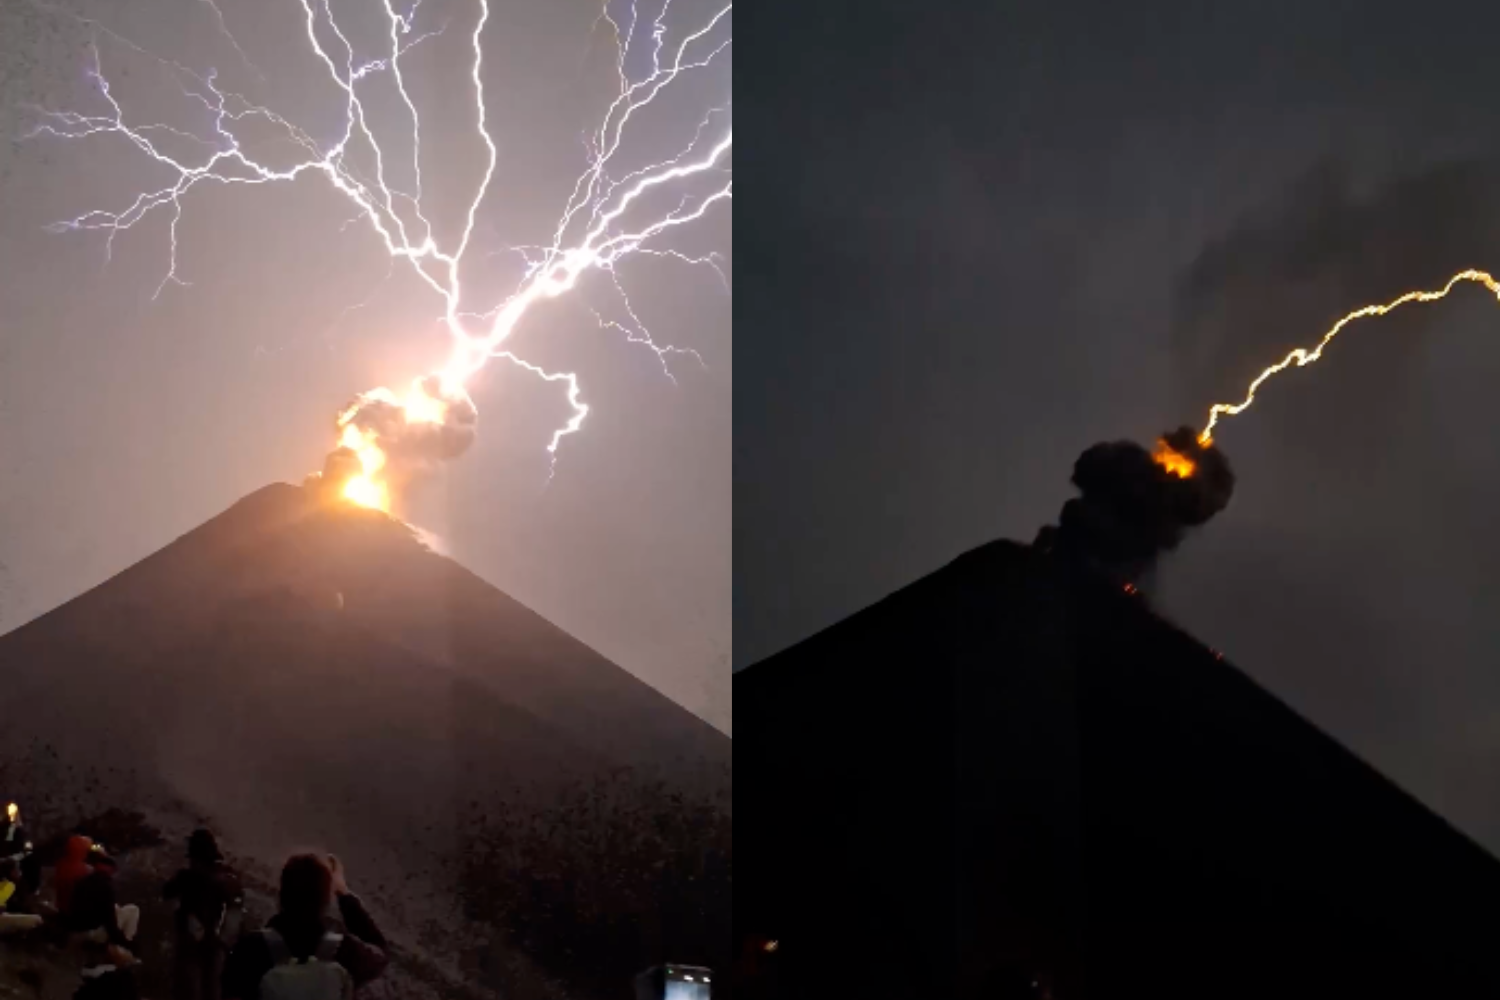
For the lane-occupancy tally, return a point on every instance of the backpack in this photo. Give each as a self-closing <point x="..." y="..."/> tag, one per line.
<point x="318" y="977"/>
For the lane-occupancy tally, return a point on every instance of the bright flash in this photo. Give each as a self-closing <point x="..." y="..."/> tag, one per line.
<point x="1172" y="460"/>
<point x="617" y="208"/>
<point x="367" y="491"/>
<point x="1303" y="356"/>
<point x="12" y="811"/>
<point x="370" y="488"/>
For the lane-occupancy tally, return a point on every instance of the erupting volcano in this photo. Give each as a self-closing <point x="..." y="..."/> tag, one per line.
<point x="1137" y="504"/>
<point x="1014" y="764"/>
<point x="386" y="440"/>
<point x="616" y="208"/>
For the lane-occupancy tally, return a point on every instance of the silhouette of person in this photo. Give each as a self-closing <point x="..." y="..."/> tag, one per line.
<point x="300" y="930"/>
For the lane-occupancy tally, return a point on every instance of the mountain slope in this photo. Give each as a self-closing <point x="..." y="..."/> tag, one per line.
<point x="303" y="673"/>
<point x="1014" y="760"/>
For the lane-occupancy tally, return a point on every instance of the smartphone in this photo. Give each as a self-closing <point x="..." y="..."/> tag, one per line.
<point x="674" y="982"/>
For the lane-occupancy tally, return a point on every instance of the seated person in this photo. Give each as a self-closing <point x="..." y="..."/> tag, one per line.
<point x="92" y="911"/>
<point x="13" y="923"/>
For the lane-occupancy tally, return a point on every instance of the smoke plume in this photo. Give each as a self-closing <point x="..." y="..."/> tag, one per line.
<point x="386" y="440"/>
<point x="1135" y="506"/>
<point x="1283" y="272"/>
<point x="341" y="465"/>
<point x="415" y="439"/>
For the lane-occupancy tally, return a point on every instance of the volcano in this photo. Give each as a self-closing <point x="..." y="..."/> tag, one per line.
<point x="302" y="673"/>
<point x="1015" y="766"/>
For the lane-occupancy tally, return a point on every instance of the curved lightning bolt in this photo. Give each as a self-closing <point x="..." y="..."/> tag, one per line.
<point x="1302" y="356"/>
<point x="606" y="218"/>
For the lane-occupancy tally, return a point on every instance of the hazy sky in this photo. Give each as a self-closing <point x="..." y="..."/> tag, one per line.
<point x="128" y="421"/>
<point x="1012" y="230"/>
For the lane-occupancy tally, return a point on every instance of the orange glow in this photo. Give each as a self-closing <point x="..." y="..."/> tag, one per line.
<point x="1172" y="460"/>
<point x="370" y="488"/>
<point x="12" y="811"/>
<point x="1302" y="356"/>
<point x="367" y="492"/>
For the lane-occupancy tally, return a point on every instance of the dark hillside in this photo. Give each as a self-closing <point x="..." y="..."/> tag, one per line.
<point x="1011" y="759"/>
<point x="304" y="674"/>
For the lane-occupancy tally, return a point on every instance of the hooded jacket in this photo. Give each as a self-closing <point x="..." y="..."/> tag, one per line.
<point x="73" y="867"/>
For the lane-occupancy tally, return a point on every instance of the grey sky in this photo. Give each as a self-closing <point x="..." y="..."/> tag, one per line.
<point x="982" y="261"/>
<point x="128" y="421"/>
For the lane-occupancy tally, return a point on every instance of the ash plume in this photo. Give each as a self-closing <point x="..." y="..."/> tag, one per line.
<point x="393" y="440"/>
<point x="1135" y="506"/>
<point x="1294" y="264"/>
<point x="341" y="465"/>
<point x="415" y="443"/>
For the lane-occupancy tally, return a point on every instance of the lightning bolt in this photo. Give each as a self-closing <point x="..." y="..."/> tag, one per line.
<point x="224" y="30"/>
<point x="1302" y="356"/>
<point x="607" y="217"/>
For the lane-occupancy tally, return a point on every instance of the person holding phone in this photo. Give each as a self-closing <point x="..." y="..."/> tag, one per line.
<point x="299" y="953"/>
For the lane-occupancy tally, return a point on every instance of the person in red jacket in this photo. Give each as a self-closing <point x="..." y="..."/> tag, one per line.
<point x="309" y="884"/>
<point x="73" y="867"/>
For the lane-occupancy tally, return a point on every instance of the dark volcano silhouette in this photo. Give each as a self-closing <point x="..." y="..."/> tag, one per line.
<point x="1013" y="763"/>
<point x="301" y="673"/>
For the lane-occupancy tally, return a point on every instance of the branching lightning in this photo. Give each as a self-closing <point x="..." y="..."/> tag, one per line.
<point x="1303" y="356"/>
<point x="605" y="219"/>
<point x="234" y="44"/>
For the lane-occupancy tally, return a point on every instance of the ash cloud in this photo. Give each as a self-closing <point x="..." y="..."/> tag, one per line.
<point x="339" y="467"/>
<point x="1285" y="272"/>
<point x="1131" y="509"/>
<point x="412" y="448"/>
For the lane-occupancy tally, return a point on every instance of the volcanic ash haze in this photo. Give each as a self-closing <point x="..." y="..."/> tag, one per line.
<point x="301" y="672"/>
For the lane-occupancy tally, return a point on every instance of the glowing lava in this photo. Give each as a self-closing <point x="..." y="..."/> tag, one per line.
<point x="371" y="487"/>
<point x="366" y="489"/>
<point x="1172" y="460"/>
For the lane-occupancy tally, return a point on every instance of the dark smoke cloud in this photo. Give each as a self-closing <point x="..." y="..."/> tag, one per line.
<point x="1132" y="509"/>
<point x="1283" y="273"/>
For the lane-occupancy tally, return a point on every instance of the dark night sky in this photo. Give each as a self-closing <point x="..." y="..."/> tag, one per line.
<point x="127" y="422"/>
<point x="1002" y="232"/>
